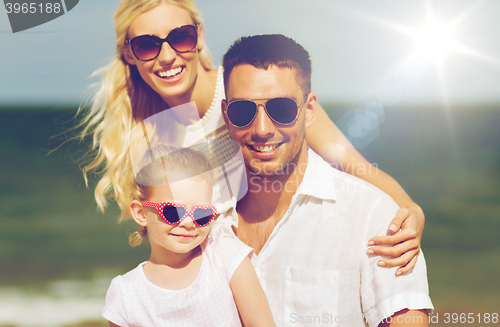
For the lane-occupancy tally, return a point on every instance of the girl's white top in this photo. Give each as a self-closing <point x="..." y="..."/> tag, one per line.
<point x="132" y="300"/>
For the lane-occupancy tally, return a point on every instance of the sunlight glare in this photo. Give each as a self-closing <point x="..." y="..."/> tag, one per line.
<point x="434" y="41"/>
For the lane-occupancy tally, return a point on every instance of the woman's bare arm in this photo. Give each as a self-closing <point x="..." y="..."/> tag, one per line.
<point x="327" y="140"/>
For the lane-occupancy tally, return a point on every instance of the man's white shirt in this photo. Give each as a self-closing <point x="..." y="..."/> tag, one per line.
<point x="314" y="268"/>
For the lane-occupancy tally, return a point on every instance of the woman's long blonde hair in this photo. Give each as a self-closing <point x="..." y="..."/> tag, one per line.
<point x="123" y="99"/>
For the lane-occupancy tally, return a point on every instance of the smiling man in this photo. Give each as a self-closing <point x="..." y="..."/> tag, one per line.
<point x="307" y="222"/>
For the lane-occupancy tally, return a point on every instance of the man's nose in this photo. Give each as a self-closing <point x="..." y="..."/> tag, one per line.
<point x="262" y="127"/>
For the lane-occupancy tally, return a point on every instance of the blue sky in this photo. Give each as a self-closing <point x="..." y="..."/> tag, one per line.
<point x="360" y="49"/>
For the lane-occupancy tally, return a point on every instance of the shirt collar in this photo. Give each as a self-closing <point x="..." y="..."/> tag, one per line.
<point x="318" y="180"/>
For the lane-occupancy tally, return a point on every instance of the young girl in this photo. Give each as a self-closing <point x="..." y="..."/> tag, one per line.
<point x="189" y="279"/>
<point x="162" y="62"/>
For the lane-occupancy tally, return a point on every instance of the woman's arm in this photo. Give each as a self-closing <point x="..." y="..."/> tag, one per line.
<point x="327" y="140"/>
<point x="249" y="297"/>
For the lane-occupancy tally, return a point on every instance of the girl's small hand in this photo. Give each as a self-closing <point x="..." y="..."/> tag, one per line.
<point x="407" y="228"/>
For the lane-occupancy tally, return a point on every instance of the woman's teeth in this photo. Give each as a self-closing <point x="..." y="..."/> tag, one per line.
<point x="170" y="73"/>
<point x="267" y="148"/>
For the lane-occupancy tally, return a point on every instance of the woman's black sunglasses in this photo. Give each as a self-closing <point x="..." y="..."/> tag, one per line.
<point x="284" y="111"/>
<point x="148" y="47"/>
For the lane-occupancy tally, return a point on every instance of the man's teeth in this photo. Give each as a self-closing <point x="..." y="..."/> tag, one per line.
<point x="170" y="73"/>
<point x="267" y="148"/>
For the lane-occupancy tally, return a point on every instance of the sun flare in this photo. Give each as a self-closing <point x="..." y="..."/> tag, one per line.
<point x="435" y="40"/>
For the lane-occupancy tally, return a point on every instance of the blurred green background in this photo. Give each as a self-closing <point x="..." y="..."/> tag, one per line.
<point x="51" y="230"/>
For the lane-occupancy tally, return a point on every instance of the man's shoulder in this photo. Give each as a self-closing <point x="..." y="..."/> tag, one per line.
<point x="346" y="187"/>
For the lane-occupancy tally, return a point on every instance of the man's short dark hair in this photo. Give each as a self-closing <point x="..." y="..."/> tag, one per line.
<point x="261" y="51"/>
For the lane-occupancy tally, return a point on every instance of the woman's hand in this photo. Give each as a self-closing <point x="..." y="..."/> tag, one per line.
<point x="407" y="228"/>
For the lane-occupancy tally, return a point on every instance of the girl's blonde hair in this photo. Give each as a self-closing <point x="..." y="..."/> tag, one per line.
<point x="122" y="100"/>
<point x="177" y="164"/>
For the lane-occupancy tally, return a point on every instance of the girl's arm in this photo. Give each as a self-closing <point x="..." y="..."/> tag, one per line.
<point x="327" y="140"/>
<point x="249" y="297"/>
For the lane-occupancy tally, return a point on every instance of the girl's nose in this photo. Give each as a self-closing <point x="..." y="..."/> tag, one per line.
<point x="187" y="222"/>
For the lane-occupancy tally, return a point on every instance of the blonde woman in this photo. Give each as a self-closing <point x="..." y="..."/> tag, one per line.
<point x="162" y="62"/>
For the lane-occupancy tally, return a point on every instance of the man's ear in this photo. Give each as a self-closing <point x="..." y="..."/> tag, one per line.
<point x="137" y="211"/>
<point x="311" y="107"/>
<point x="201" y="37"/>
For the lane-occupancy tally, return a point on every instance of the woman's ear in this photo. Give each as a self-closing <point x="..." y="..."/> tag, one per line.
<point x="128" y="55"/>
<point x="137" y="211"/>
<point x="201" y="37"/>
